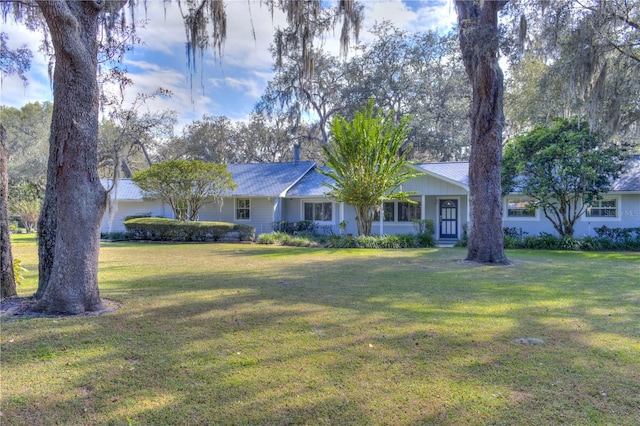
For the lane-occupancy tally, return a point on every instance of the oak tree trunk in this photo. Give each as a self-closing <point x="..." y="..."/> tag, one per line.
<point x="69" y="225"/>
<point x="479" y="42"/>
<point x="7" y="278"/>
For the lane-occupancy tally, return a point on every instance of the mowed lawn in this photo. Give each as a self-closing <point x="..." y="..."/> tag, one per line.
<point x="235" y="334"/>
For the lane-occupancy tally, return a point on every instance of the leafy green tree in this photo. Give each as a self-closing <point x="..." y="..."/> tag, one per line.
<point x="417" y="74"/>
<point x="365" y="162"/>
<point x="128" y="136"/>
<point x="27" y="141"/>
<point x="186" y="185"/>
<point x="564" y="167"/>
<point x="575" y="58"/>
<point x="69" y="230"/>
<point x="11" y="62"/>
<point x="27" y="210"/>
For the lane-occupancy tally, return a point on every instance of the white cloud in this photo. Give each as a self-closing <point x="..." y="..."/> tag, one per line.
<point x="234" y="82"/>
<point x="13" y="92"/>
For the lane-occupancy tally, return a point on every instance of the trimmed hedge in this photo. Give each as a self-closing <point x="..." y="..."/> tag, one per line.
<point x="161" y="229"/>
<point x="338" y="241"/>
<point x="607" y="239"/>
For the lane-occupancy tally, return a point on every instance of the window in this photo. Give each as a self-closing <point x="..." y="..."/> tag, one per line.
<point x="389" y="213"/>
<point x="243" y="209"/>
<point x="407" y="211"/>
<point x="520" y="207"/>
<point x="607" y="208"/>
<point x="322" y="212"/>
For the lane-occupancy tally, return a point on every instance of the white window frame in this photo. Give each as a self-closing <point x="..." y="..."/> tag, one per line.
<point x="237" y="207"/>
<point x="396" y="212"/>
<point x="616" y="218"/>
<point x="394" y="208"/>
<point x="333" y="209"/>
<point x="417" y="206"/>
<point x="505" y="215"/>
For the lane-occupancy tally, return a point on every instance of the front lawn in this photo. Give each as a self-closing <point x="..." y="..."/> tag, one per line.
<point x="254" y="334"/>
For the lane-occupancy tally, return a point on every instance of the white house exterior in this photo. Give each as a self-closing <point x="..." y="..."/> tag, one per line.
<point x="291" y="192"/>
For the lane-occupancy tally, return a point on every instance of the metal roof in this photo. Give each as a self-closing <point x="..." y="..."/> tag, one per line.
<point x="253" y="180"/>
<point x="267" y="179"/>
<point x="311" y="185"/>
<point x="629" y="179"/>
<point x="302" y="179"/>
<point x="456" y="172"/>
<point x="124" y="190"/>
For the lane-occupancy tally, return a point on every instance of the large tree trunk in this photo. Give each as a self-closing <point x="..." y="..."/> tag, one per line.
<point x="479" y="41"/>
<point x="7" y="278"/>
<point x="69" y="226"/>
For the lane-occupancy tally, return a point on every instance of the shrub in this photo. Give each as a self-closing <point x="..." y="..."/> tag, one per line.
<point x="544" y="241"/>
<point x="160" y="229"/>
<point x="18" y="269"/>
<point x="338" y="241"/>
<point x="511" y="242"/>
<point x="245" y="232"/>
<point x="271" y="237"/>
<point x="423" y="226"/>
<point x="464" y="241"/>
<point x="618" y="234"/>
<point x="425" y="240"/>
<point x="569" y="243"/>
<point x="284" y="239"/>
<point x="307" y="226"/>
<point x="114" y="236"/>
<point x="137" y="215"/>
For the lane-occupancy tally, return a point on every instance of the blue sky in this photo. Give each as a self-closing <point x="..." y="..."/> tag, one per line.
<point x="232" y="83"/>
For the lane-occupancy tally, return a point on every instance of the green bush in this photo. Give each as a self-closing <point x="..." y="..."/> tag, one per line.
<point x="18" y="269"/>
<point x="423" y="226"/>
<point x="161" y="229"/>
<point x="339" y="241"/>
<point x="618" y="235"/>
<point x="137" y="216"/>
<point x="378" y="241"/>
<point x="284" y="239"/>
<point x="114" y="236"/>
<point x="425" y="240"/>
<point x="306" y="226"/>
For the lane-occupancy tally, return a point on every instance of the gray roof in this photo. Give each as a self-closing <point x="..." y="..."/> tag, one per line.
<point x="124" y="190"/>
<point x="267" y="179"/>
<point x="253" y="180"/>
<point x="455" y="172"/>
<point x="311" y="185"/>
<point x="302" y="179"/>
<point x="629" y="179"/>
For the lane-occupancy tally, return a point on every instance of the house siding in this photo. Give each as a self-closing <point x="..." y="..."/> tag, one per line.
<point x="430" y="185"/>
<point x="261" y="213"/>
<point x="113" y="219"/>
<point x="628" y="217"/>
<point x="291" y="185"/>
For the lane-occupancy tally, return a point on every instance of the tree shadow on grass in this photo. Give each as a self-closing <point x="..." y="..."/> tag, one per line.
<point x="348" y="341"/>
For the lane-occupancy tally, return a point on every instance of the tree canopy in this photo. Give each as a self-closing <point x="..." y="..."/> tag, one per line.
<point x="563" y="167"/>
<point x="186" y="185"/>
<point x="573" y="59"/>
<point x="75" y="200"/>
<point x="366" y="163"/>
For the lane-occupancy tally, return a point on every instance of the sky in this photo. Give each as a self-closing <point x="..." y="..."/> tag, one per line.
<point x="230" y="84"/>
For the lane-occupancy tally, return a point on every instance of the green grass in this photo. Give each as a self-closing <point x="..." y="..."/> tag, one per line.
<point x="255" y="334"/>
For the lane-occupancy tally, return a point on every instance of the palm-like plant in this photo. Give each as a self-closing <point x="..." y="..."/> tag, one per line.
<point x="366" y="163"/>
